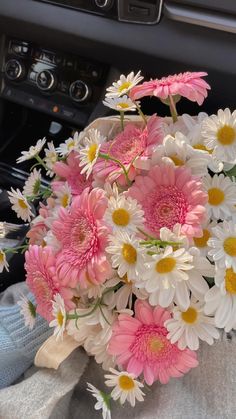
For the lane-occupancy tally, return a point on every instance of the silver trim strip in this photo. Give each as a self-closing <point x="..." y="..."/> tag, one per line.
<point x="200" y="17"/>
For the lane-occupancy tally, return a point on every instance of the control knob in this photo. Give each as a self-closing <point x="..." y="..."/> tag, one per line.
<point x="46" y="80"/>
<point x="15" y="70"/>
<point x="103" y="4"/>
<point x="79" y="91"/>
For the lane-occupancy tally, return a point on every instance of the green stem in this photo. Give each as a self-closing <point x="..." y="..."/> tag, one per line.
<point x="103" y="315"/>
<point x="78" y="316"/>
<point x="116" y="287"/>
<point x="173" y="109"/>
<point x="45" y="192"/>
<point x="24" y="247"/>
<point x="41" y="161"/>
<point x="158" y="243"/>
<point x="107" y="157"/>
<point x="146" y="234"/>
<point x="122" y="115"/>
<point x="140" y="112"/>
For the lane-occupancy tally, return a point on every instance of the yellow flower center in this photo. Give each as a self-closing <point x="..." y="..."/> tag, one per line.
<point x="92" y="152"/>
<point x="123" y="105"/>
<point x="165" y="265"/>
<point x="155" y="345"/>
<point x="65" y="200"/>
<point x="121" y="217"/>
<point x="230" y="281"/>
<point x="129" y="253"/>
<point x="226" y="135"/>
<point x="215" y="196"/>
<point x="126" y="383"/>
<point x="70" y="144"/>
<point x="202" y="241"/>
<point x="1" y="257"/>
<point x="202" y="147"/>
<point x="22" y="204"/>
<point x="124" y="86"/>
<point x="230" y="246"/>
<point x="177" y="161"/>
<point x="60" y="318"/>
<point x="189" y="316"/>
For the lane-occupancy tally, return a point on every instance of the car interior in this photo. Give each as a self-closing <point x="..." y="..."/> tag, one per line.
<point x="58" y="56"/>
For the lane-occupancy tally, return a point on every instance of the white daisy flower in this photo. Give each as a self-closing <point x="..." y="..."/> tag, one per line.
<point x="59" y="314"/>
<point x="189" y="326"/>
<point x="50" y="158"/>
<point x="120" y="104"/>
<point x="28" y="311"/>
<point x="123" y="297"/>
<point x="174" y="235"/>
<point x="166" y="276"/>
<point x="202" y="242"/>
<point x="219" y="132"/>
<point x="171" y="128"/>
<point x="89" y="153"/>
<point x="63" y="195"/>
<point x="94" y="331"/>
<point x="32" y="152"/>
<point x="52" y="241"/>
<point x="111" y="190"/>
<point x="124" y="84"/>
<point x="223" y="245"/>
<point x="221" y="196"/>
<point x="69" y="145"/>
<point x="194" y="124"/>
<point x="124" y="214"/>
<point x="97" y="346"/>
<point x="3" y="262"/>
<point x="20" y="205"/>
<point x="196" y="283"/>
<point x="196" y="140"/>
<point x="176" y="151"/>
<point x="103" y="402"/>
<point x="32" y="184"/>
<point x="221" y="299"/>
<point x="126" y="387"/>
<point x="127" y="255"/>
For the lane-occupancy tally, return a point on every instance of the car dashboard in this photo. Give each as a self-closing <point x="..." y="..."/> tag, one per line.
<point x="103" y="38"/>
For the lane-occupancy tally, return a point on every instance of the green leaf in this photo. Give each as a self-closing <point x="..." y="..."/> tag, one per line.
<point x="231" y="172"/>
<point x="176" y="99"/>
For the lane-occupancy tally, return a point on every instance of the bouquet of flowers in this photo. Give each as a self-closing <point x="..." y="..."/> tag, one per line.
<point x="133" y="250"/>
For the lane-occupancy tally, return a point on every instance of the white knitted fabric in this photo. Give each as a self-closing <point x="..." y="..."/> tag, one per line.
<point x="206" y="392"/>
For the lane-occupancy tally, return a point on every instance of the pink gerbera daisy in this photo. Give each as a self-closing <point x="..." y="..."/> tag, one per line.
<point x="37" y="233"/>
<point x="141" y="346"/>
<point x="83" y="236"/>
<point x="189" y="85"/>
<point x="132" y="147"/>
<point x="71" y="172"/>
<point x="170" y="195"/>
<point x="42" y="280"/>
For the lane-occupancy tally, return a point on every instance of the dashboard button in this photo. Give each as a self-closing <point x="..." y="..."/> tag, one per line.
<point x="67" y="113"/>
